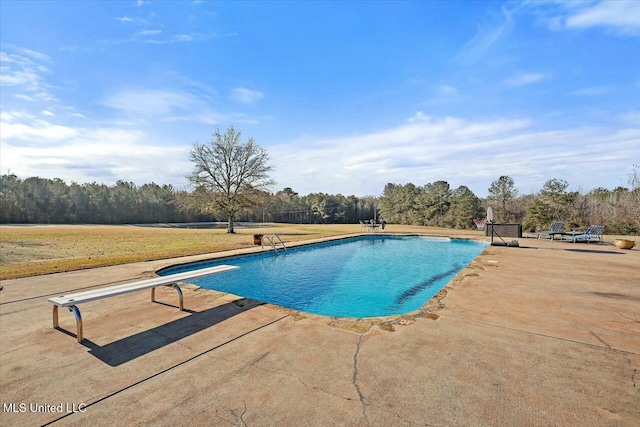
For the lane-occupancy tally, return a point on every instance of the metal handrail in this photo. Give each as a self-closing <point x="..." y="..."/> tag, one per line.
<point x="273" y="245"/>
<point x="270" y="241"/>
<point x="280" y="240"/>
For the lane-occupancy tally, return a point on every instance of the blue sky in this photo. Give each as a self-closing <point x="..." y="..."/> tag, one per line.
<point x="345" y="96"/>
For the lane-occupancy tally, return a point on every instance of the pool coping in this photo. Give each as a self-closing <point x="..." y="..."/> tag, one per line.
<point x="427" y="310"/>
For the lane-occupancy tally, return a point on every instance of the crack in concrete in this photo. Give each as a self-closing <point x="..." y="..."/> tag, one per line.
<point x="361" y="399"/>
<point x="262" y="356"/>
<point x="253" y="364"/>
<point x="537" y="334"/>
<point x="635" y="373"/>
<point x="170" y="368"/>
<point x="354" y="380"/>
<point x="595" y="335"/>
<point x="239" y="417"/>
<point x="630" y="320"/>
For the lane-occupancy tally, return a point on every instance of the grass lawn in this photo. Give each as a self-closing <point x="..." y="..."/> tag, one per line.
<point x="30" y="250"/>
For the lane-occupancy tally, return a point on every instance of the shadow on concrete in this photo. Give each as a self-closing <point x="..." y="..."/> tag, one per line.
<point x="134" y="346"/>
<point x="595" y="251"/>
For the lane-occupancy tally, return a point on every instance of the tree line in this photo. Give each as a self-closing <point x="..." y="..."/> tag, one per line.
<point x="52" y="201"/>
<point x="38" y="200"/>
<point x="436" y="204"/>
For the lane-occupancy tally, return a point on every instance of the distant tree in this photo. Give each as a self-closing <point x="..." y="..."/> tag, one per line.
<point x="537" y="217"/>
<point x="12" y="207"/>
<point x="435" y="202"/>
<point x="366" y="208"/>
<point x="503" y="191"/>
<point x="634" y="183"/>
<point x="465" y="206"/>
<point x="231" y="172"/>
<point x="555" y="196"/>
<point x="398" y="203"/>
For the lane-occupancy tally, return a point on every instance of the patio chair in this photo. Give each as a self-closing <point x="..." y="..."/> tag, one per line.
<point x="555" y="228"/>
<point x="592" y="233"/>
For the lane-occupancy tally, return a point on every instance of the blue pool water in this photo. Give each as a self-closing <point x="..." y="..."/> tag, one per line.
<point x="366" y="276"/>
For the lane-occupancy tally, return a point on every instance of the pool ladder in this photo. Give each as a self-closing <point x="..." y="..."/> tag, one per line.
<point x="275" y="244"/>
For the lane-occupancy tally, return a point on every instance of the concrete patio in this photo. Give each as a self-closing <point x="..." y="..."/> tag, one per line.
<point x="544" y="334"/>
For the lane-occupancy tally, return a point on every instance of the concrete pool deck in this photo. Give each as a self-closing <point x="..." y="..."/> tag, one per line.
<point x="544" y="334"/>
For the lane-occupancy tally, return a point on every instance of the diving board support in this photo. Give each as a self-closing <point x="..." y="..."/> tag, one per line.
<point x="77" y="315"/>
<point x="178" y="290"/>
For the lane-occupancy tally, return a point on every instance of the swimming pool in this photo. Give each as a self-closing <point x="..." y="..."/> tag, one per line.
<point x="366" y="276"/>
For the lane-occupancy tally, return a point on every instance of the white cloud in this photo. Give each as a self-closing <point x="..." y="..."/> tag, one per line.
<point x="150" y="102"/>
<point x="593" y="91"/>
<point x="620" y="15"/>
<point x="422" y="150"/>
<point x="195" y="86"/>
<point x="24" y="127"/>
<point x="139" y="105"/>
<point x="124" y="19"/>
<point x="23" y="71"/>
<point x="178" y="38"/>
<point x="74" y="48"/>
<point x="525" y="79"/>
<point x="245" y="96"/>
<point x="149" y="32"/>
<point x="462" y="152"/>
<point x="485" y="38"/>
<point x="418" y="116"/>
<point x="38" y="56"/>
<point x="447" y="90"/>
<point x="632" y="118"/>
<point x="33" y="147"/>
<point x="25" y="77"/>
<point x="48" y="113"/>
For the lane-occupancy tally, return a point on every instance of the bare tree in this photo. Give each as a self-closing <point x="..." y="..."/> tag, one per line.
<point x="230" y="172"/>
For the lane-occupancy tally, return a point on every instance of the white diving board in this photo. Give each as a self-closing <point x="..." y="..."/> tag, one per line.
<point x="72" y="300"/>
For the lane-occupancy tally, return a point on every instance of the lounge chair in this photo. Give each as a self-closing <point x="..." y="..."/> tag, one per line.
<point x="555" y="228"/>
<point x="592" y="233"/>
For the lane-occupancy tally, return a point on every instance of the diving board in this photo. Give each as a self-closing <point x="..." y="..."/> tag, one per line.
<point x="72" y="300"/>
